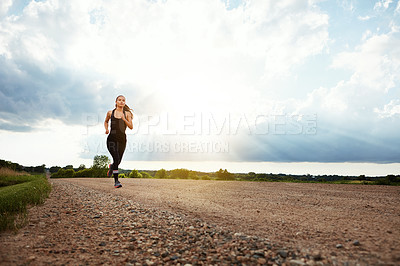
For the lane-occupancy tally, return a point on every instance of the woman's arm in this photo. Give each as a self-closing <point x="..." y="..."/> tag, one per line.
<point x="128" y="119"/>
<point x="108" y="117"/>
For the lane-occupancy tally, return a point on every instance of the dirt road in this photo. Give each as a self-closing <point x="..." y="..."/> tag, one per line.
<point x="355" y="223"/>
<point x="317" y="216"/>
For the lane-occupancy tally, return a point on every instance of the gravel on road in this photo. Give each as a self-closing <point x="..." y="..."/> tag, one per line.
<point x="188" y="222"/>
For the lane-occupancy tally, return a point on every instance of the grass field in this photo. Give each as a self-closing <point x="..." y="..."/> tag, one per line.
<point x="17" y="192"/>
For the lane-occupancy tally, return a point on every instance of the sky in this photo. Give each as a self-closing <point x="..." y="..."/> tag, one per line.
<point x="291" y="86"/>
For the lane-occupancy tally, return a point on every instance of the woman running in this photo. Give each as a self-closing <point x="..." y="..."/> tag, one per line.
<point x="121" y="117"/>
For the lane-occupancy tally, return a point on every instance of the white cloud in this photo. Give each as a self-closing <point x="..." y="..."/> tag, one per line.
<point x="382" y="5"/>
<point x="197" y="51"/>
<point x="348" y="5"/>
<point x="364" y="18"/>
<point x="4" y="6"/>
<point x="62" y="59"/>
<point x="52" y="142"/>
<point x="375" y="62"/>
<point x="352" y="115"/>
<point x="390" y="109"/>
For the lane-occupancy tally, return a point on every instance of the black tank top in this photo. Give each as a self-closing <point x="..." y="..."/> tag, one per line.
<point x="118" y="128"/>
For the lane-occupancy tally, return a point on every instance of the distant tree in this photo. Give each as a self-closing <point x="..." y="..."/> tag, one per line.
<point x="100" y="161"/>
<point x="252" y="175"/>
<point x="135" y="174"/>
<point x="193" y="175"/>
<point x="224" y="175"/>
<point x="39" y="169"/>
<point x="205" y="177"/>
<point x="392" y="179"/>
<point x="162" y="173"/>
<point x="11" y="165"/>
<point x="81" y="167"/>
<point x="54" y="169"/>
<point x="146" y="175"/>
<point x="70" y="166"/>
<point x="180" y="173"/>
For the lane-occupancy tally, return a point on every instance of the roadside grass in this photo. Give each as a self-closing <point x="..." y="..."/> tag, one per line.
<point x="17" y="192"/>
<point x="8" y="172"/>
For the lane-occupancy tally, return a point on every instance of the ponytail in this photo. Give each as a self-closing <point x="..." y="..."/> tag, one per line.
<point x="127" y="109"/>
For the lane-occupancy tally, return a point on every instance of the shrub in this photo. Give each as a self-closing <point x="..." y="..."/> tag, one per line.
<point x="135" y="174"/>
<point x="162" y="173"/>
<point x="146" y="175"/>
<point x="192" y="175"/>
<point x="205" y="177"/>
<point x="180" y="173"/>
<point x="64" y="173"/>
<point x="99" y="172"/>
<point x="121" y="176"/>
<point x="85" y="173"/>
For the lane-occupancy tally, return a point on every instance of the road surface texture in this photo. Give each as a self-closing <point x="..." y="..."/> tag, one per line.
<point x="199" y="222"/>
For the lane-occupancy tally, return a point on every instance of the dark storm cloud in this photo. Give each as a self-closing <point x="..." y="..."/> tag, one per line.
<point x="29" y="95"/>
<point x="327" y="144"/>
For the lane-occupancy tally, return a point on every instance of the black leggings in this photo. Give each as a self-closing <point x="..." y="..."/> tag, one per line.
<point x="116" y="148"/>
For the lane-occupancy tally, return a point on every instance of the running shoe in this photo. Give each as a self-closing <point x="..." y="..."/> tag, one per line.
<point x="117" y="184"/>
<point x="109" y="173"/>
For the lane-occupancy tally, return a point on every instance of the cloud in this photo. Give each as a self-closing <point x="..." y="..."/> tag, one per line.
<point x="382" y="5"/>
<point x="4" y="6"/>
<point x="68" y="60"/>
<point x="389" y="110"/>
<point x="364" y="18"/>
<point x="353" y="115"/>
<point x="58" y="58"/>
<point x="348" y="5"/>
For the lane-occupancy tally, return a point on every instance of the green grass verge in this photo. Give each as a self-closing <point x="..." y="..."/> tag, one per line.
<point x="16" y="194"/>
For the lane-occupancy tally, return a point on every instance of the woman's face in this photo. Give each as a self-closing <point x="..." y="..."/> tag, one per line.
<point x="120" y="101"/>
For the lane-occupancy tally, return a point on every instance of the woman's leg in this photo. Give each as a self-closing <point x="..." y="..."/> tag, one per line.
<point x="120" y="150"/>
<point x="112" y="147"/>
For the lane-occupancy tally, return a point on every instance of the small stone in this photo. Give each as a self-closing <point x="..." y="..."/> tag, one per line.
<point x="102" y="244"/>
<point x="282" y="253"/>
<point x="296" y="263"/>
<point x="339" y="246"/>
<point x="240" y="258"/>
<point x="356" y="243"/>
<point x="261" y="261"/>
<point x="259" y="254"/>
<point x="165" y="254"/>
<point x="317" y="255"/>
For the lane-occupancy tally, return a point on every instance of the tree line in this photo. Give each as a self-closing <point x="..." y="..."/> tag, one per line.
<point x="100" y="168"/>
<point x="40" y="169"/>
